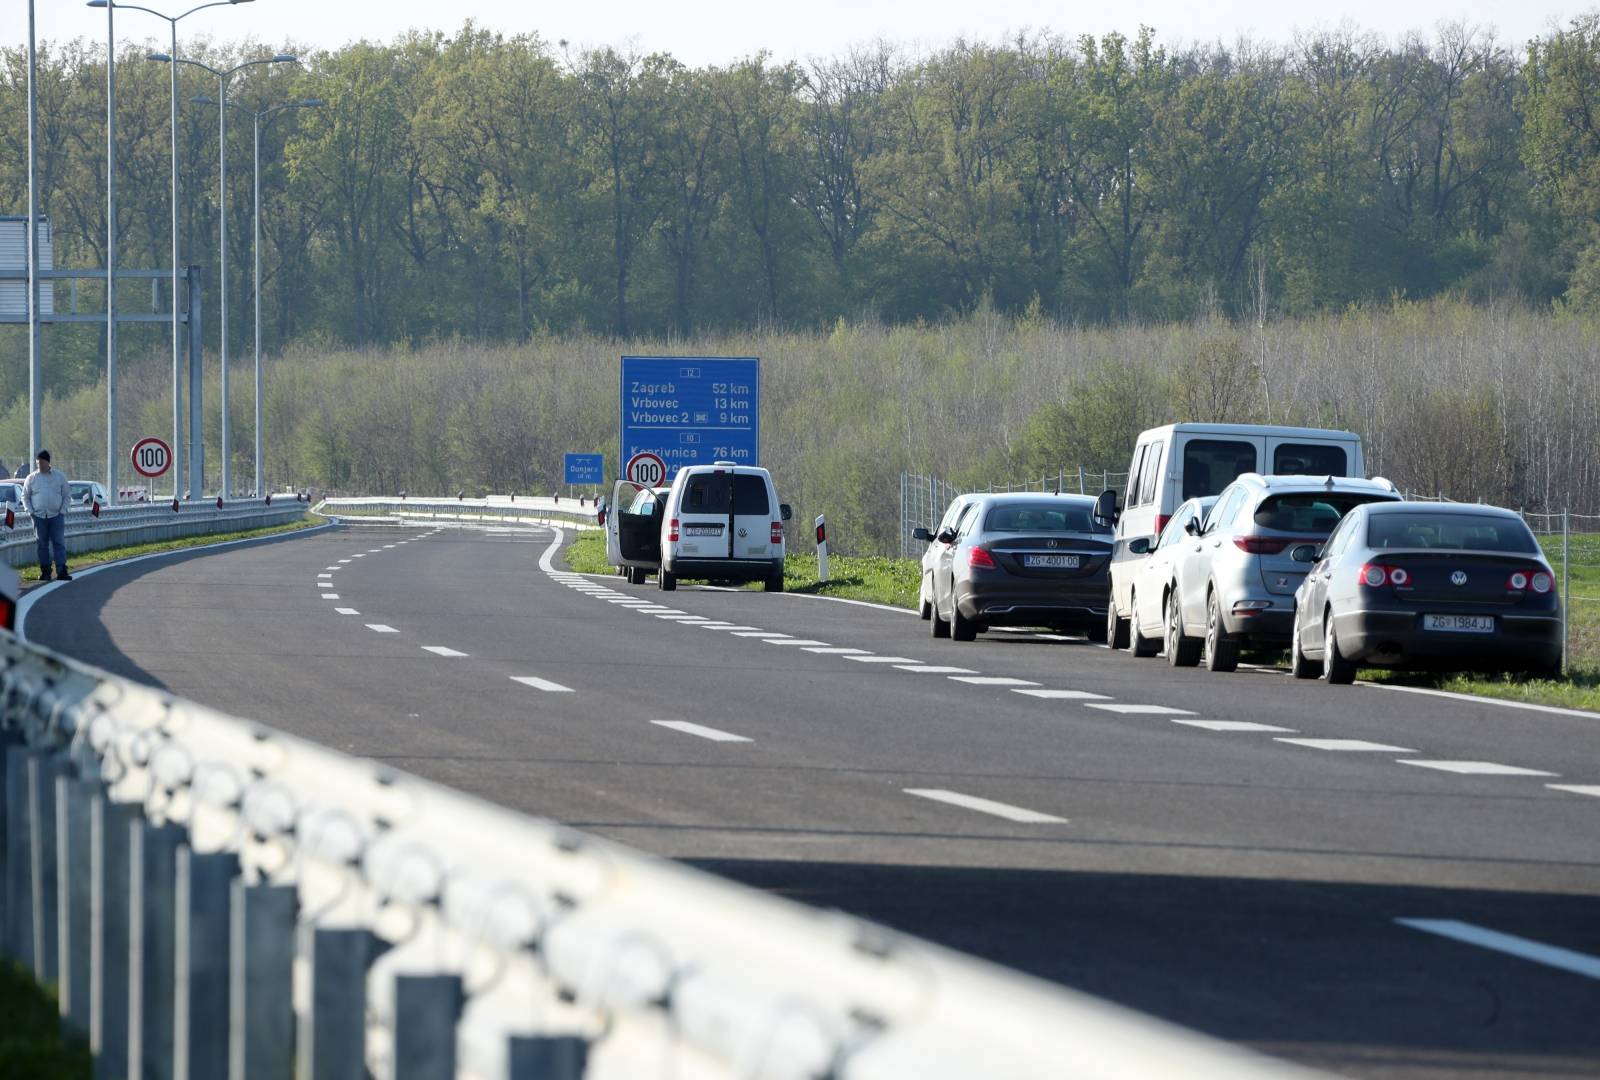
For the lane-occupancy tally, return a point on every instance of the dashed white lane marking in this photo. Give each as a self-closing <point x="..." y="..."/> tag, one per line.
<point x="935" y="669"/>
<point x="542" y="684"/>
<point x="1060" y="695"/>
<point x="1576" y="789"/>
<point x="374" y="551"/>
<point x="1357" y="745"/>
<point x="381" y="628"/>
<point x="325" y="573"/>
<point x="1479" y="768"/>
<point x="1232" y="725"/>
<point x="330" y="596"/>
<point x="991" y="680"/>
<point x="331" y="568"/>
<point x="730" y="627"/>
<point x="344" y="560"/>
<point x="440" y="650"/>
<point x="881" y="659"/>
<point x="386" y="547"/>
<point x="687" y="620"/>
<point x="986" y="806"/>
<point x="834" y="650"/>
<point x="347" y="611"/>
<point x="759" y="634"/>
<point x="1549" y="955"/>
<point x="358" y="555"/>
<point x="795" y="641"/>
<point x="1138" y="710"/>
<point x="696" y="729"/>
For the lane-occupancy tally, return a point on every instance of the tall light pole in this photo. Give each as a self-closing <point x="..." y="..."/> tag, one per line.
<point x="257" y="115"/>
<point x="223" y="78"/>
<point x="35" y="367"/>
<point x="177" y="348"/>
<point x="111" y="257"/>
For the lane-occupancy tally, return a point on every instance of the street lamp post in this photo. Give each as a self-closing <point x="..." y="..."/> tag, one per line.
<point x="177" y="348"/>
<point x="257" y="115"/>
<point x="223" y="78"/>
<point x="35" y="366"/>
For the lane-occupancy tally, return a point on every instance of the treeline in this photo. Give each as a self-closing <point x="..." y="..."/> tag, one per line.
<point x="1499" y="403"/>
<point x="501" y="188"/>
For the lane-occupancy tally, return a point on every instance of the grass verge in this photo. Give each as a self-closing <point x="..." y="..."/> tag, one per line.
<point x="31" y="1045"/>
<point x="90" y="558"/>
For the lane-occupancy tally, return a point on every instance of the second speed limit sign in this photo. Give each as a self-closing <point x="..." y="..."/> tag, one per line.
<point x="646" y="468"/>
<point x="151" y="457"/>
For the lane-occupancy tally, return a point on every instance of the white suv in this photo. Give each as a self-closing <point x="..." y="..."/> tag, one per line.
<point x="723" y="521"/>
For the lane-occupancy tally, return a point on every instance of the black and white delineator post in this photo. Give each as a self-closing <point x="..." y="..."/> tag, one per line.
<point x="822" y="548"/>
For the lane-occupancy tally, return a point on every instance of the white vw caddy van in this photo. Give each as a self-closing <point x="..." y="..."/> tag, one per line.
<point x="723" y="521"/>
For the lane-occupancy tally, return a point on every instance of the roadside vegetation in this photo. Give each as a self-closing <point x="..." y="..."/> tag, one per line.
<point x="31" y="1045"/>
<point x="30" y="573"/>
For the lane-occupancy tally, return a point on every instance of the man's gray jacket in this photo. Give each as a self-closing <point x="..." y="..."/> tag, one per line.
<point x="46" y="494"/>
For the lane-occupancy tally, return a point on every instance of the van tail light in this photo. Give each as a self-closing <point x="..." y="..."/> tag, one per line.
<point x="777" y="533"/>
<point x="1161" y="522"/>
<point x="672" y="531"/>
<point x="1377" y="575"/>
<point x="980" y="559"/>
<point x="1530" y="580"/>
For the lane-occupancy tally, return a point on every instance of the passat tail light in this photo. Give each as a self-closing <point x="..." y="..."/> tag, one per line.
<point x="777" y="533"/>
<point x="1524" y="580"/>
<point x="1260" y="545"/>
<point x="672" y="531"/>
<point x="1377" y="575"/>
<point x="980" y="559"/>
<point x="1518" y="581"/>
<point x="1542" y="582"/>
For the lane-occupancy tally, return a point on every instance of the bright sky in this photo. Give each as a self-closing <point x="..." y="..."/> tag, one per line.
<point x="717" y="31"/>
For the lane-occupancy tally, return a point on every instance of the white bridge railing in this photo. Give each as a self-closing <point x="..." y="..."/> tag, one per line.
<point x="215" y="899"/>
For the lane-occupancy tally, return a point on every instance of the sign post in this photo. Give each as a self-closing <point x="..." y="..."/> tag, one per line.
<point x="688" y="410"/>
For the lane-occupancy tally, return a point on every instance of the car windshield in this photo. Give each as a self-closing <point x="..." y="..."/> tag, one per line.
<point x="1042" y="517"/>
<point x="645" y="503"/>
<point x="1450" y="532"/>
<point x="1310" y="514"/>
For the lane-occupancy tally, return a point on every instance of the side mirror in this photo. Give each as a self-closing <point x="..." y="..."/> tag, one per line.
<point x="1139" y="546"/>
<point x="785" y="511"/>
<point x="1305" y="553"/>
<point x="919" y="533"/>
<point x="1106" y="510"/>
<point x="946" y="536"/>
<point x="1192" y="526"/>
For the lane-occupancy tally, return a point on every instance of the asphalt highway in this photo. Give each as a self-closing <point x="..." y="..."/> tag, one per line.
<point x="1377" y="883"/>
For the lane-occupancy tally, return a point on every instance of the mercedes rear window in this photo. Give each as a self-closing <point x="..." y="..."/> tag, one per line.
<point x="1041" y="517"/>
<point x="1450" y="532"/>
<point x="1307" y="514"/>
<point x="1209" y="465"/>
<point x="1310" y="459"/>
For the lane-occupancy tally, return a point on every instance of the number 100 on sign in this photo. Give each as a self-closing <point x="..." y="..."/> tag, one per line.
<point x="151" y="457"/>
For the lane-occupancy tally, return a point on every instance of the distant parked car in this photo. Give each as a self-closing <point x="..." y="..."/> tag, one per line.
<point x="1022" y="560"/>
<point x="1235" y="582"/>
<point x="88" y="492"/>
<point x="1451" y="586"/>
<point x="1154" y="588"/>
<point x="11" y="494"/>
<point x="930" y="557"/>
<point x="633" y="529"/>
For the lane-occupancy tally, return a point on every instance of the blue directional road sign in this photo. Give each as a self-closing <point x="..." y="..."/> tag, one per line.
<point x="692" y="410"/>
<point x="586" y="468"/>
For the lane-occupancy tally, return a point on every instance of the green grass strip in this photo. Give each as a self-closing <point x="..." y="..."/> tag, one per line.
<point x="31" y="1044"/>
<point x="90" y="558"/>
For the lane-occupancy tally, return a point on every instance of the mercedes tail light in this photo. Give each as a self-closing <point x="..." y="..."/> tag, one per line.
<point x="777" y="533"/>
<point x="980" y="559"/>
<point x="1377" y="575"/>
<point x="672" y="531"/>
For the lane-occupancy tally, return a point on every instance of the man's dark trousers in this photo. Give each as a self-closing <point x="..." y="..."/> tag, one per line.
<point x="52" y="533"/>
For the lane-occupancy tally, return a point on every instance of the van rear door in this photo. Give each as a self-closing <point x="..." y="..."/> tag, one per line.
<point x="753" y="515"/>
<point x="705" y="515"/>
<point x="1315" y="457"/>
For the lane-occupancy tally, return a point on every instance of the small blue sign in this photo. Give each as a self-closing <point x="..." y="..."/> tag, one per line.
<point x="586" y="469"/>
<point x="692" y="410"/>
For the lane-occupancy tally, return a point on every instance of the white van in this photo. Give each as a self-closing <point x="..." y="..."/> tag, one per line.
<point x="723" y="521"/>
<point x="633" y="529"/>
<point x="1179" y="462"/>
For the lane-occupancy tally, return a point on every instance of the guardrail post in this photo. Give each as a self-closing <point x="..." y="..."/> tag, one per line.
<point x="43" y="769"/>
<point x="426" y="1010"/>
<point x="333" y="1034"/>
<point x="201" y="892"/>
<point x="261" y="998"/>
<point x="110" y="882"/>
<point x="75" y="874"/>
<point x="152" y="932"/>
<point x="18" y="928"/>
<point x="544" y="1057"/>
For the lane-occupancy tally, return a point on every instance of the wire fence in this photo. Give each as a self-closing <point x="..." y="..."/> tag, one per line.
<point x="923" y="499"/>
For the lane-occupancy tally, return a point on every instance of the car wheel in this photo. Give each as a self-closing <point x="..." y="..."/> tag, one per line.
<point x="1299" y="665"/>
<point x="1221" y="653"/>
<point x="773" y="583"/>
<point x="937" y="626"/>
<point x="1182" y="650"/>
<point x="1336" y="667"/>
<point x="961" y="627"/>
<point x="924" y="605"/>
<point x="1116" y="627"/>
<point x="636" y="575"/>
<point x="666" y="581"/>
<point x="1138" y="644"/>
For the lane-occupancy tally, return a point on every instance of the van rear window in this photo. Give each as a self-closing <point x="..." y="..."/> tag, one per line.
<point x="1310" y="459"/>
<point x="717" y="493"/>
<point x="1209" y="465"/>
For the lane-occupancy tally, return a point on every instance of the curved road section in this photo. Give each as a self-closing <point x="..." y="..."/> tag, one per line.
<point x="1379" y="884"/>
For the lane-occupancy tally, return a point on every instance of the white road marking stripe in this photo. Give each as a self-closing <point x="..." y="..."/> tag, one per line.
<point x="666" y="611"/>
<point x="332" y="568"/>
<point x="1479" y="768"/>
<point x="730" y="627"/>
<point x="688" y="619"/>
<point x="1587" y="714"/>
<point x="440" y="650"/>
<point x="542" y="684"/>
<point x="1359" y="745"/>
<point x="869" y="659"/>
<point x="1549" y="955"/>
<point x="759" y="634"/>
<point x="990" y="680"/>
<point x="704" y="732"/>
<point x="935" y="669"/>
<point x="381" y="628"/>
<point x="373" y="551"/>
<point x="347" y="611"/>
<point x="330" y="596"/>
<point x="1232" y="725"/>
<point x="795" y="641"/>
<point x="386" y="547"/>
<point x="358" y="555"/>
<point x="1576" y="789"/>
<point x="1138" y="710"/>
<point x="1061" y="695"/>
<point x="986" y="806"/>
<point x="344" y="560"/>
<point x="834" y="650"/>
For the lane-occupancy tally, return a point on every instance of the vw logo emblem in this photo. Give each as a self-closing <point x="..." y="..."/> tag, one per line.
<point x="746" y="532"/>
<point x="1458" y="578"/>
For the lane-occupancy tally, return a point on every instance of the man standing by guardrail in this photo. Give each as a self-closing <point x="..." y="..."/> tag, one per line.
<point x="45" y="496"/>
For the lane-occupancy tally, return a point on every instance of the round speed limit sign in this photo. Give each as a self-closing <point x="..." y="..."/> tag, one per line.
<point x="151" y="457"/>
<point x="646" y="468"/>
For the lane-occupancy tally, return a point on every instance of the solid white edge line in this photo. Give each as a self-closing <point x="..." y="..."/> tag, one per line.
<point x="1477" y="700"/>
<point x="1549" y="955"/>
<point x="986" y="806"/>
<point x="700" y="730"/>
<point x="33" y="596"/>
<point x="1576" y="789"/>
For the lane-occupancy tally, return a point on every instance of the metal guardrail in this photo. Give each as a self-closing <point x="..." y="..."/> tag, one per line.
<point x="144" y="523"/>
<point x="219" y="899"/>
<point x="495" y="509"/>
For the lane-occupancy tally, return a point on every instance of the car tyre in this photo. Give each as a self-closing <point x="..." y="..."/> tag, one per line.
<point x="1138" y="644"/>
<point x="937" y="626"/>
<point x="1182" y="650"/>
<point x="961" y="627"/>
<point x="1222" y="654"/>
<point x="1116" y="627"/>
<point x="1337" y="668"/>
<point x="924" y="606"/>
<point x="636" y="575"/>
<point x="773" y="583"/>
<point x="1300" y="665"/>
<point x="666" y="580"/>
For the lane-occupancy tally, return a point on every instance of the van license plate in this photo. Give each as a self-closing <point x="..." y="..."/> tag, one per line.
<point x="1468" y="624"/>
<point x="702" y="530"/>
<point x="1054" y="562"/>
